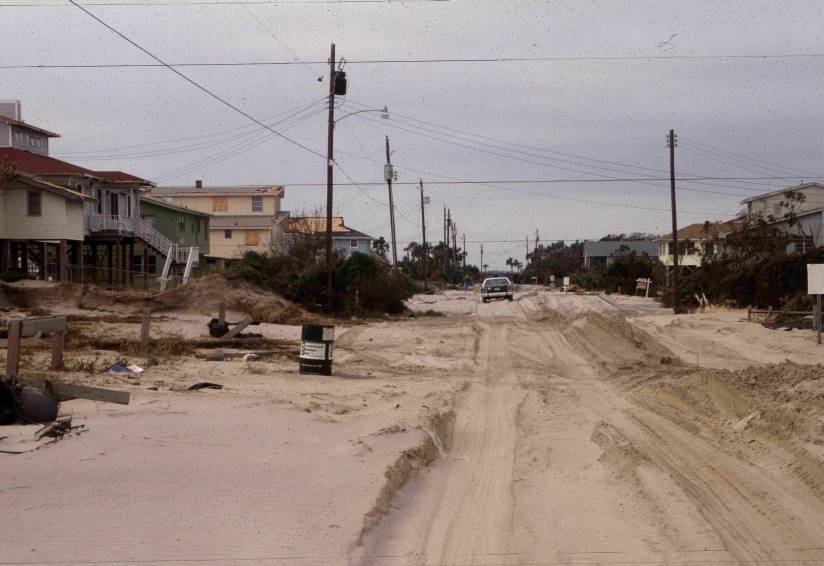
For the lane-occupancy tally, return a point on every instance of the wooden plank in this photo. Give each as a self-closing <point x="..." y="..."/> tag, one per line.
<point x="58" y="339"/>
<point x="43" y="325"/>
<point x="13" y="348"/>
<point x="221" y="313"/>
<point x="66" y="391"/>
<point x="236" y="329"/>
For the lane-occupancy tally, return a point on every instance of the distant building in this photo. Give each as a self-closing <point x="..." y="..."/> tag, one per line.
<point x="344" y="239"/>
<point x="187" y="228"/>
<point x="243" y="218"/>
<point x="17" y="134"/>
<point x="697" y="241"/>
<point x="604" y="253"/>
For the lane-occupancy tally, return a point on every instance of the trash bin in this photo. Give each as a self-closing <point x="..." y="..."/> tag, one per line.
<point x="316" y="345"/>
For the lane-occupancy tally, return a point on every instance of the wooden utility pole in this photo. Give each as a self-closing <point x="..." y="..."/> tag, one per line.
<point x="423" y="235"/>
<point x="674" y="251"/>
<point x="445" y="246"/>
<point x="330" y="145"/>
<point x="482" y="261"/>
<point x="463" y="253"/>
<point x="388" y="173"/>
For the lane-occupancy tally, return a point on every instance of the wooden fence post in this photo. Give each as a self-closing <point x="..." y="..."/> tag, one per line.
<point x="58" y="340"/>
<point x="144" y="330"/>
<point x="13" y="352"/>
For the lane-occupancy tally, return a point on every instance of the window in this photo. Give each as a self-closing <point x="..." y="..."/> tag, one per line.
<point x="227" y="234"/>
<point x="777" y="210"/>
<point x="137" y="263"/>
<point x="353" y="244"/>
<point x="114" y="202"/>
<point x="18" y="137"/>
<point x="252" y="237"/>
<point x="150" y="219"/>
<point x="257" y="204"/>
<point x="220" y="204"/>
<point x="35" y="142"/>
<point x="193" y="225"/>
<point x="709" y="248"/>
<point x="98" y="206"/>
<point x="151" y="264"/>
<point x="35" y="204"/>
<point x="181" y="223"/>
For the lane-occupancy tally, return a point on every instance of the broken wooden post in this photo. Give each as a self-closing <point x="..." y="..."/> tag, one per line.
<point x="221" y="313"/>
<point x="13" y="348"/>
<point x="144" y="330"/>
<point x="58" y="340"/>
<point x="237" y="329"/>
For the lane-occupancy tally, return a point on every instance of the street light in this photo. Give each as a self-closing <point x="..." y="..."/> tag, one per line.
<point x="384" y="113"/>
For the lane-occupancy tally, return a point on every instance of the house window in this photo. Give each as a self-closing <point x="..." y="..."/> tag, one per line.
<point x="151" y="264"/>
<point x="709" y="248"/>
<point x="803" y="243"/>
<point x="353" y="244"/>
<point x="220" y="204"/>
<point x="35" y="204"/>
<point x="18" y="137"/>
<point x="181" y="223"/>
<point x="114" y="202"/>
<point x="227" y="234"/>
<point x="193" y="225"/>
<point x="252" y="237"/>
<point x="137" y="263"/>
<point x="777" y="210"/>
<point x="98" y="206"/>
<point x="257" y="204"/>
<point x="150" y="219"/>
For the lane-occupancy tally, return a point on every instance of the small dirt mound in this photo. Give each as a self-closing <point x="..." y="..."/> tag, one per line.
<point x="204" y="296"/>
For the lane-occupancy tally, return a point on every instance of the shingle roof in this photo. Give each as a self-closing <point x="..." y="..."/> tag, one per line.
<point x="250" y="190"/>
<point x="52" y="187"/>
<point x="608" y="248"/>
<point x="39" y="165"/>
<point x="707" y="230"/>
<point x="317" y="225"/>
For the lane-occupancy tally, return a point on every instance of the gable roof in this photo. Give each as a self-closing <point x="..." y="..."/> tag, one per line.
<point x="782" y="191"/>
<point x="43" y="165"/>
<point x="12" y="122"/>
<point x="707" y="230"/>
<point x="49" y="186"/>
<point x="36" y="164"/>
<point x="607" y="248"/>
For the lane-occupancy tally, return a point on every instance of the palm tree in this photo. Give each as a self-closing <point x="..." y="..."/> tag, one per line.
<point x="380" y="246"/>
<point x="517" y="264"/>
<point x="510" y="262"/>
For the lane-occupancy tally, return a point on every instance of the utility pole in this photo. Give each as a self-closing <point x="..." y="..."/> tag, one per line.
<point x="388" y="173"/>
<point x="674" y="251"/>
<point x="448" y="235"/>
<point x="445" y="245"/>
<point x="330" y="177"/>
<point x="526" y="239"/>
<point x="482" y="261"/>
<point x="423" y="234"/>
<point x="463" y="251"/>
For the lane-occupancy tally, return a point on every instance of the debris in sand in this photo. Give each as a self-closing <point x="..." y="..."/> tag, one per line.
<point x="121" y="368"/>
<point x="741" y="425"/>
<point x="59" y="429"/>
<point x="204" y="385"/>
<point x="221" y="330"/>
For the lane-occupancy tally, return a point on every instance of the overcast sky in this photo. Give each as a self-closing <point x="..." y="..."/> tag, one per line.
<point x="735" y="117"/>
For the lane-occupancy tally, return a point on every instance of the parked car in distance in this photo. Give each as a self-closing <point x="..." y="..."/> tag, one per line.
<point x="497" y="288"/>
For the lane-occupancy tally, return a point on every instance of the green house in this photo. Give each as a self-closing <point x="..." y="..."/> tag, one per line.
<point x="183" y="226"/>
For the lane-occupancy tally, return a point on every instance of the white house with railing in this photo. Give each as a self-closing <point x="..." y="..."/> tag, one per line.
<point x="118" y="245"/>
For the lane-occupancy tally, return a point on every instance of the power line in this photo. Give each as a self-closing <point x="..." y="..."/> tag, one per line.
<point x="422" y="61"/>
<point x="196" y="84"/>
<point x="140" y="3"/>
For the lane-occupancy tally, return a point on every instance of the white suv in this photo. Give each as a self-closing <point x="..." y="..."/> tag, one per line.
<point x="497" y="288"/>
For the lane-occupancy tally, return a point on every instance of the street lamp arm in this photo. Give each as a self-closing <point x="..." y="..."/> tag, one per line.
<point x="384" y="113"/>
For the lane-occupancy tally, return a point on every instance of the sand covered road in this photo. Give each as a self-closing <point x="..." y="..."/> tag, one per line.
<point x="582" y="440"/>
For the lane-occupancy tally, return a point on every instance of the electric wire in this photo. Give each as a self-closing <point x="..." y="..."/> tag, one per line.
<point x="195" y="83"/>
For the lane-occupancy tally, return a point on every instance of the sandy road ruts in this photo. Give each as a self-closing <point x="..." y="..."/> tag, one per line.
<point x="552" y="463"/>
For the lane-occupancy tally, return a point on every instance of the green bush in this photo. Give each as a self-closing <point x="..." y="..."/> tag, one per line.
<point x="10" y="276"/>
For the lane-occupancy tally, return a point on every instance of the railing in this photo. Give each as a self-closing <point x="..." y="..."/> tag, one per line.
<point x="139" y="228"/>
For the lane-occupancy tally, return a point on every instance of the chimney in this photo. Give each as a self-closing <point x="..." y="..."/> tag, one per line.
<point x="10" y="109"/>
<point x="199" y="184"/>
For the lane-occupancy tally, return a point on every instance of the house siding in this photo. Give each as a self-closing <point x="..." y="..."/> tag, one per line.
<point x="236" y="205"/>
<point x="167" y="222"/>
<point x="345" y="245"/>
<point x="235" y="247"/>
<point x="60" y="219"/>
<point x="770" y="205"/>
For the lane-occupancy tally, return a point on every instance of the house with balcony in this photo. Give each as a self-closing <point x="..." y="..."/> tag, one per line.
<point x="111" y="222"/>
<point x="242" y="218"/>
<point x="797" y="211"/>
<point x="603" y="253"/>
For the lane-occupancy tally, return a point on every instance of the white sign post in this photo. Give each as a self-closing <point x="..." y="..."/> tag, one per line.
<point x="815" y="286"/>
